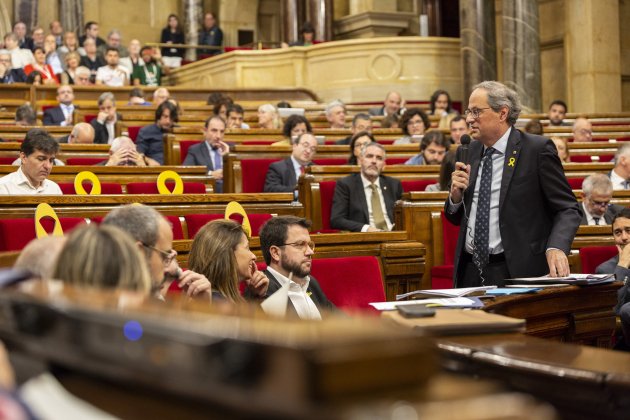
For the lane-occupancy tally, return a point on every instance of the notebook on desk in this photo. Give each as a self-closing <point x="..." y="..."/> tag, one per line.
<point x="574" y="279"/>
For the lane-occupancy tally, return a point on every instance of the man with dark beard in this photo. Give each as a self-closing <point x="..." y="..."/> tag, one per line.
<point x="288" y="251"/>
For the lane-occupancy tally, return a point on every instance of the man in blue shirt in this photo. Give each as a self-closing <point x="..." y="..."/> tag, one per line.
<point x="150" y="138"/>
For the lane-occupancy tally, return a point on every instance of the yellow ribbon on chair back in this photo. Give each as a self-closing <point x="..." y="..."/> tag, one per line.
<point x="44" y="210"/>
<point x="234" y="207"/>
<point x="87" y="176"/>
<point x="172" y="175"/>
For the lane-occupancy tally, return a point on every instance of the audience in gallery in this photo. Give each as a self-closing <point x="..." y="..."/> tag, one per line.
<point x="433" y="147"/>
<point x="37" y="158"/>
<point x="283" y="176"/>
<point x="534" y="127"/>
<point x="149" y="141"/>
<point x="446" y="171"/>
<point x="307" y="37"/>
<point x="70" y="44"/>
<point x="336" y="115"/>
<point x="360" y="122"/>
<point x="112" y="74"/>
<point x="358" y="141"/>
<point x="133" y="59"/>
<point x="91" y="32"/>
<point x="81" y="261"/>
<point x="562" y="145"/>
<point x="597" y="192"/>
<point x="91" y="59"/>
<point x="458" y="128"/>
<point x="69" y="75"/>
<point x="288" y="252"/>
<point x="414" y="123"/>
<point x="8" y="74"/>
<point x="620" y="174"/>
<point x="294" y="126"/>
<point x="149" y="74"/>
<point x="24" y="41"/>
<point x="52" y="56"/>
<point x="210" y="35"/>
<point x="557" y="112"/>
<point x="172" y="34"/>
<point x="20" y="57"/>
<point x="220" y="251"/>
<point x="582" y="130"/>
<point x="45" y="70"/>
<point x="114" y="40"/>
<point x="268" y="117"/>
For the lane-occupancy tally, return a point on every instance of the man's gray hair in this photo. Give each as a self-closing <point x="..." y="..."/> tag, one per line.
<point x="333" y="105"/>
<point x="372" y="144"/>
<point x="622" y="151"/>
<point x="118" y="142"/>
<point x="114" y="32"/>
<point x="499" y="96"/>
<point x="597" y="182"/>
<point x="105" y="96"/>
<point x="140" y="221"/>
<point x="82" y="71"/>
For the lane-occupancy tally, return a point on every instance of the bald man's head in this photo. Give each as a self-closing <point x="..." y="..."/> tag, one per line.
<point x="82" y="133"/>
<point x="39" y="256"/>
<point x="122" y="143"/>
<point x="393" y="103"/>
<point x="582" y="130"/>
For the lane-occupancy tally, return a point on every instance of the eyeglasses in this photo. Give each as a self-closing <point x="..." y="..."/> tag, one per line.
<point x="601" y="203"/>
<point x="166" y="256"/>
<point x="475" y="112"/>
<point x="301" y="245"/>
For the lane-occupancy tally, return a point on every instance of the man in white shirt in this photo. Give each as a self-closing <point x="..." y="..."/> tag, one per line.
<point x="112" y="74"/>
<point x="20" y="57"/>
<point x="597" y="191"/>
<point x="620" y="174"/>
<point x="37" y="156"/>
<point x="288" y="252"/>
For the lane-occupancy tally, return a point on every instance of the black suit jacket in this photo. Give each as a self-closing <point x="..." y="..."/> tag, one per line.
<point x="349" y="206"/>
<point x="101" y="136"/>
<point x="610" y="214"/>
<point x="281" y="177"/>
<point x="537" y="208"/>
<point x="198" y="156"/>
<point x="14" y="76"/>
<point x="621" y="274"/>
<point x="317" y="295"/>
<point x="376" y="111"/>
<point x="54" y="116"/>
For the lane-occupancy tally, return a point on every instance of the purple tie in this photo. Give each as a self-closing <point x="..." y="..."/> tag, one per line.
<point x="218" y="159"/>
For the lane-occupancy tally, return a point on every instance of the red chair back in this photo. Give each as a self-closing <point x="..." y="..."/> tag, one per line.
<point x="416" y="185"/>
<point x="575" y="183"/>
<point x="16" y="233"/>
<point x="84" y="161"/>
<point x="350" y="282"/>
<point x="6" y="160"/>
<point x="253" y="174"/>
<point x="194" y="222"/>
<point x="330" y="161"/>
<point x="67" y="188"/>
<point x="151" y="187"/>
<point x="326" y="193"/>
<point x="396" y="160"/>
<point x="592" y="256"/>
<point x="89" y="117"/>
<point x="133" y="132"/>
<point x="184" y="145"/>
<point x="450" y="233"/>
<point x="176" y="227"/>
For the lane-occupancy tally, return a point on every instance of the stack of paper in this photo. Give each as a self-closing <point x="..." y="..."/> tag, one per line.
<point x="575" y="279"/>
<point x="457" y="302"/>
<point x="464" y="291"/>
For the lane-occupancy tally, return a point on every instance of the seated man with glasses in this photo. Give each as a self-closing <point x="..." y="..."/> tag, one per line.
<point x="597" y="191"/>
<point x="282" y="176"/>
<point x="288" y="251"/>
<point x="152" y="232"/>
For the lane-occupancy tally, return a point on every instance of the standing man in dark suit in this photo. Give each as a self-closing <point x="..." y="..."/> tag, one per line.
<point x="282" y="176"/>
<point x="597" y="191"/>
<point x="288" y="251"/>
<point x="210" y="152"/>
<point x="61" y="115"/>
<point x="520" y="216"/>
<point x="365" y="202"/>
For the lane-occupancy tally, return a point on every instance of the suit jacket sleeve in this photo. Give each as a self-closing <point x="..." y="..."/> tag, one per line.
<point x="100" y="132"/>
<point x="560" y="199"/>
<point x="319" y="298"/>
<point x="141" y="142"/>
<point x="276" y="174"/>
<point x="48" y="117"/>
<point x="340" y="212"/>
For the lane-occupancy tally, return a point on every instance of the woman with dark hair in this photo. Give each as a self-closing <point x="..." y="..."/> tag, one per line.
<point x="356" y="144"/>
<point x="220" y="251"/>
<point x="441" y="107"/>
<point x="294" y="126"/>
<point x="446" y="171"/>
<point x="414" y="123"/>
<point x="48" y="77"/>
<point x="172" y="34"/>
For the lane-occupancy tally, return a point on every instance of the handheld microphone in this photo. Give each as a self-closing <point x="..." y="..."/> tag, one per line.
<point x="462" y="150"/>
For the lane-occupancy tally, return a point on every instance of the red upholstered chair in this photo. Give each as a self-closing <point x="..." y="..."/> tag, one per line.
<point x="133" y="132"/>
<point x="351" y="282"/>
<point x="592" y="256"/>
<point x="606" y="158"/>
<point x="330" y="161"/>
<point x="84" y="161"/>
<point x="194" y="222"/>
<point x="442" y="275"/>
<point x="326" y="193"/>
<point x="176" y="227"/>
<point x="253" y="173"/>
<point x="151" y="187"/>
<point x="184" y="145"/>
<point x="106" y="188"/>
<point x="396" y="160"/>
<point x="6" y="160"/>
<point x="386" y="142"/>
<point x="575" y="183"/>
<point x="16" y="233"/>
<point x="257" y="142"/>
<point x="581" y="158"/>
<point x="416" y="185"/>
<point x="89" y="117"/>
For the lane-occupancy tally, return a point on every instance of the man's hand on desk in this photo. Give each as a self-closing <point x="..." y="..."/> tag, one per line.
<point x="558" y="263"/>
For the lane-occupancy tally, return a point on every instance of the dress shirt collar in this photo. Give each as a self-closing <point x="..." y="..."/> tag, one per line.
<point x="617" y="181"/>
<point x="22" y="179"/>
<point x="292" y="284"/>
<point x="501" y="145"/>
<point x="366" y="182"/>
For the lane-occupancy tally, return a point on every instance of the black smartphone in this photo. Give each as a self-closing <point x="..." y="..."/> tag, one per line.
<point x="415" y="311"/>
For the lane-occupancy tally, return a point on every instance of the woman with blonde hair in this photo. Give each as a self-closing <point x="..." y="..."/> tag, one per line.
<point x="73" y="59"/>
<point x="268" y="117"/>
<point x="220" y="251"/>
<point x="103" y="257"/>
<point x="563" y="148"/>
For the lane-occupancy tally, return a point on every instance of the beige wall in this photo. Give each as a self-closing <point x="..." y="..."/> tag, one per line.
<point x="552" y="54"/>
<point x="624" y="20"/>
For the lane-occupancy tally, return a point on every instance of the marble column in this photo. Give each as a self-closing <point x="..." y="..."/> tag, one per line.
<point x="521" y="51"/>
<point x="290" y="30"/>
<point x="320" y="14"/>
<point x="478" y="43"/>
<point x="593" y="54"/>
<point x="25" y="11"/>
<point x="193" y="15"/>
<point x="71" y="15"/>
<point x="5" y="19"/>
